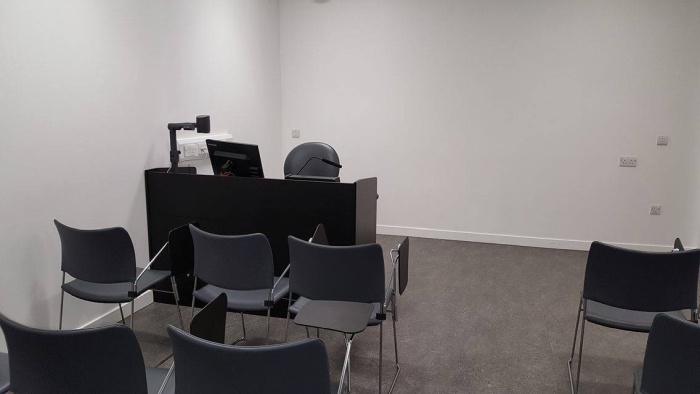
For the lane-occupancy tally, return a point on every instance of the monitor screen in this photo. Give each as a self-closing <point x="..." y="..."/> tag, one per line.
<point x="235" y="159"/>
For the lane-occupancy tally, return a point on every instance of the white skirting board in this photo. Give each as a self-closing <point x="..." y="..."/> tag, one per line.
<point x="113" y="315"/>
<point x="517" y="240"/>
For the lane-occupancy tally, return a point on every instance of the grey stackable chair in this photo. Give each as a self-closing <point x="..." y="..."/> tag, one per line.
<point x="625" y="289"/>
<point x="299" y="160"/>
<point x="4" y="373"/>
<point x="209" y="367"/>
<point x="94" y="360"/>
<point x="346" y="273"/>
<point x="103" y="265"/>
<point x="672" y="358"/>
<point x="240" y="266"/>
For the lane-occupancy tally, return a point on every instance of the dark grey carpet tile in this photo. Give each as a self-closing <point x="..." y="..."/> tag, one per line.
<point x="475" y="318"/>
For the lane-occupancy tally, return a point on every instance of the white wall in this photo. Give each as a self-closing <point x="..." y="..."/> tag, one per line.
<point x="87" y="88"/>
<point x="490" y="119"/>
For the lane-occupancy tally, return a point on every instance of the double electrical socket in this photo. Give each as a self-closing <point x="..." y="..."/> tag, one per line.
<point x="628" y="161"/>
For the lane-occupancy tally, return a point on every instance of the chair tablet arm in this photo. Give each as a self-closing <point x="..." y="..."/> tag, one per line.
<point x="149" y="264"/>
<point x="272" y="290"/>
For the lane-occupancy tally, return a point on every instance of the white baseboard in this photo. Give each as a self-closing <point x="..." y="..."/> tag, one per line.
<point x="114" y="316"/>
<point x="517" y="240"/>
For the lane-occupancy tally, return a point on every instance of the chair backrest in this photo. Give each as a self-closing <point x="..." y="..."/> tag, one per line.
<point x="403" y="265"/>
<point x="181" y="249"/>
<point x="99" y="256"/>
<point x="208" y="367"/>
<point x="234" y="262"/>
<point x="95" y="360"/>
<point x="302" y="154"/>
<point x="642" y="281"/>
<point x="320" y="236"/>
<point x="671" y="363"/>
<point x="210" y="322"/>
<point x="336" y="273"/>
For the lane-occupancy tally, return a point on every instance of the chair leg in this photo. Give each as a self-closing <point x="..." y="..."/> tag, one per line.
<point x="582" y="320"/>
<point x="193" y="289"/>
<point x="318" y="333"/>
<point x="396" y="347"/>
<point x="132" y="314"/>
<point x="173" y="284"/>
<point x="243" y="337"/>
<point x="345" y="364"/>
<point x="289" y="305"/>
<point x="307" y="332"/>
<point x="381" y="343"/>
<point x="267" y="337"/>
<point x="60" y="315"/>
<point x="121" y="312"/>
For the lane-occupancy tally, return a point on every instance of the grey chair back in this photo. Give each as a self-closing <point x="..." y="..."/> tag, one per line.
<point x="671" y="363"/>
<point x="234" y="262"/>
<point x="302" y="154"/>
<point x="210" y="322"/>
<point x="642" y="281"/>
<point x="336" y="273"/>
<point x="98" y="256"/>
<point x="208" y="367"/>
<point x="96" y="360"/>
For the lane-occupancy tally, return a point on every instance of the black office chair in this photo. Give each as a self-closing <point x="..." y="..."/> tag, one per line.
<point x="342" y="273"/>
<point x="103" y="264"/>
<point x="4" y="373"/>
<point x="671" y="361"/>
<point x="625" y="289"/>
<point x="208" y="367"/>
<point x="95" y="360"/>
<point x="240" y="266"/>
<point x="305" y="159"/>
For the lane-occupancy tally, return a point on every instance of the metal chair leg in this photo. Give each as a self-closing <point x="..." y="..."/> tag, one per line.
<point x="193" y="289"/>
<point x="286" y="328"/>
<point x="307" y="332"/>
<point x="243" y="337"/>
<point x="121" y="312"/>
<point x="60" y="315"/>
<point x="573" y="348"/>
<point x="132" y="315"/>
<point x="381" y="343"/>
<point x="267" y="337"/>
<point x="173" y="284"/>
<point x="345" y="364"/>
<point x="580" y="354"/>
<point x="396" y="347"/>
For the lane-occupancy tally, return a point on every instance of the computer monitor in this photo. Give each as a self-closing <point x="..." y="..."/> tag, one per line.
<point x="235" y="159"/>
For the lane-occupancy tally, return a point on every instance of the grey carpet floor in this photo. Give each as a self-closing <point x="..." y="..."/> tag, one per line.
<point x="475" y="318"/>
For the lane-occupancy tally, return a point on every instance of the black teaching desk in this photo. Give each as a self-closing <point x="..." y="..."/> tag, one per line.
<point x="274" y="207"/>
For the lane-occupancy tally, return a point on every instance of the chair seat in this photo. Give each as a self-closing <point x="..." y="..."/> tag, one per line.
<point x="301" y="302"/>
<point x="623" y="319"/>
<point x="155" y="378"/>
<point x="4" y="373"/>
<point x="243" y="300"/>
<point x="114" y="292"/>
